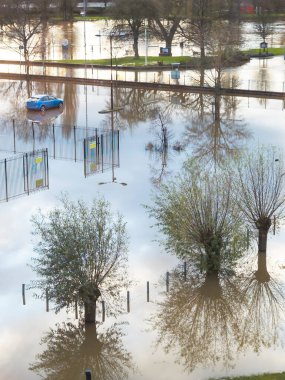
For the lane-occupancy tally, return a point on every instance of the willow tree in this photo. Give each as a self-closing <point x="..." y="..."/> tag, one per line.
<point x="81" y="255"/>
<point x="68" y="350"/>
<point x="198" y="215"/>
<point x="260" y="192"/>
<point x="197" y="321"/>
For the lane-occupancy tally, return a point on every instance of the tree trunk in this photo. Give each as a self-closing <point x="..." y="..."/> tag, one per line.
<point x="263" y="226"/>
<point x="90" y="312"/>
<point x="262" y="274"/>
<point x="135" y="45"/>
<point x="262" y="240"/>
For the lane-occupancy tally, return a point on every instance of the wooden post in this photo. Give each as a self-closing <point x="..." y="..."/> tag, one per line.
<point x="185" y="270"/>
<point x="47" y="301"/>
<point x="76" y="309"/>
<point x="88" y="374"/>
<point x="147" y="291"/>
<point x="128" y="301"/>
<point x="23" y="294"/>
<point x="167" y="281"/>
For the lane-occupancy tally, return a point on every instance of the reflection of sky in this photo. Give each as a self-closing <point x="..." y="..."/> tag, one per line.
<point x="22" y="327"/>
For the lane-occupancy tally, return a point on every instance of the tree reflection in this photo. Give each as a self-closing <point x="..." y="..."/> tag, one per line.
<point x="210" y="319"/>
<point x="215" y="132"/>
<point x="71" y="349"/>
<point x="199" y="319"/>
<point x="265" y="303"/>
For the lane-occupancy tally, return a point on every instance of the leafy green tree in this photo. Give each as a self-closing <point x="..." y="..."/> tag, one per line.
<point x="199" y="217"/>
<point x="81" y="255"/>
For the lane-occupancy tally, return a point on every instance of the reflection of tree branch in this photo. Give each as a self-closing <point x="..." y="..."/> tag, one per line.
<point x="70" y="350"/>
<point x="206" y="319"/>
<point x="198" y="319"/>
<point x="265" y="298"/>
<point x="216" y="135"/>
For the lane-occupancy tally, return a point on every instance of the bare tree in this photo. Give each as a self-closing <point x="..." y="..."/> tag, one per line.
<point x="23" y="26"/>
<point x="260" y="190"/>
<point x="131" y="16"/>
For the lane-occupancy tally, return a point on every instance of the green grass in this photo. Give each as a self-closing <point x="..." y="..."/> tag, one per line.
<point x="275" y="51"/>
<point x="129" y="61"/>
<point x="266" y="376"/>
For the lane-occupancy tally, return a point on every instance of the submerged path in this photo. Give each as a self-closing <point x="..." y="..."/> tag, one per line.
<point x="147" y="85"/>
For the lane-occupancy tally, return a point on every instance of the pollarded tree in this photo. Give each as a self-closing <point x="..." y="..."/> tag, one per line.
<point x="81" y="255"/>
<point x="198" y="215"/>
<point x="260" y="190"/>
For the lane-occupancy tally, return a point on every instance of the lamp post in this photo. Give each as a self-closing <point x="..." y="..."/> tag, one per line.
<point x="112" y="109"/>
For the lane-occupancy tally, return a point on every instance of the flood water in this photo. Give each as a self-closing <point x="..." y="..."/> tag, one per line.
<point x="202" y="327"/>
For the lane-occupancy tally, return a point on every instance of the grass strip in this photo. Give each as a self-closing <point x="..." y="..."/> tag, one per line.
<point x="265" y="376"/>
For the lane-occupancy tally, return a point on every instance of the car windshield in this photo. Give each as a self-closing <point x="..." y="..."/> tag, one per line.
<point x="34" y="98"/>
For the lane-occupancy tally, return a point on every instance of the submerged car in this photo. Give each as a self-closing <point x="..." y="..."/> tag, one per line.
<point x="43" y="102"/>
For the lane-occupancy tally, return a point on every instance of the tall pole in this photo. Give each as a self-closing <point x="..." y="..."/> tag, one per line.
<point x="111" y="56"/>
<point x="146" y="43"/>
<point x="85" y="58"/>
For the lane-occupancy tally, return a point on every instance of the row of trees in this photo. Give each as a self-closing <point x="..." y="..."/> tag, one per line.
<point x="211" y="215"/>
<point x="203" y="24"/>
<point x="208" y="218"/>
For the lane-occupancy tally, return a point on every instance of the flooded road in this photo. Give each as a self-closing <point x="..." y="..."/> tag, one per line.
<point x="203" y="326"/>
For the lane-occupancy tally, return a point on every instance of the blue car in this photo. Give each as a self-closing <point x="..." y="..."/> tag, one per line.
<point x="43" y="102"/>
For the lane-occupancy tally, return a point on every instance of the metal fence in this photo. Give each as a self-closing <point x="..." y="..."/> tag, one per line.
<point x="101" y="153"/>
<point x="99" y="150"/>
<point x="23" y="174"/>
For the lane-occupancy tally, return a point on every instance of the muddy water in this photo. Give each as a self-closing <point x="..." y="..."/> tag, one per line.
<point x="203" y="327"/>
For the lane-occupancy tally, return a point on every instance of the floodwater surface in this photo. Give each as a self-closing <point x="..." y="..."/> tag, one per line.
<point x="204" y="326"/>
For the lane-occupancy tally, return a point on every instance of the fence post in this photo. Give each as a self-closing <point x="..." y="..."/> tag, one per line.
<point x="53" y="135"/>
<point x="47" y="301"/>
<point x="147" y="291"/>
<point x="6" y="179"/>
<point x="23" y="294"/>
<point x="167" y="281"/>
<point x="74" y="135"/>
<point x="27" y="172"/>
<point x="185" y="270"/>
<point x="128" y="301"/>
<point x="14" y="133"/>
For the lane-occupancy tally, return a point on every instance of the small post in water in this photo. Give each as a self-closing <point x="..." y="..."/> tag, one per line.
<point x="88" y="374"/>
<point x="167" y="281"/>
<point x="128" y="301"/>
<point x="147" y="291"/>
<point x="23" y="294"/>
<point x="47" y="301"/>
<point x="185" y="270"/>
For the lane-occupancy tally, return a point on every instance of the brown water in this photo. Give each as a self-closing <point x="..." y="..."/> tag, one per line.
<point x="204" y="326"/>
